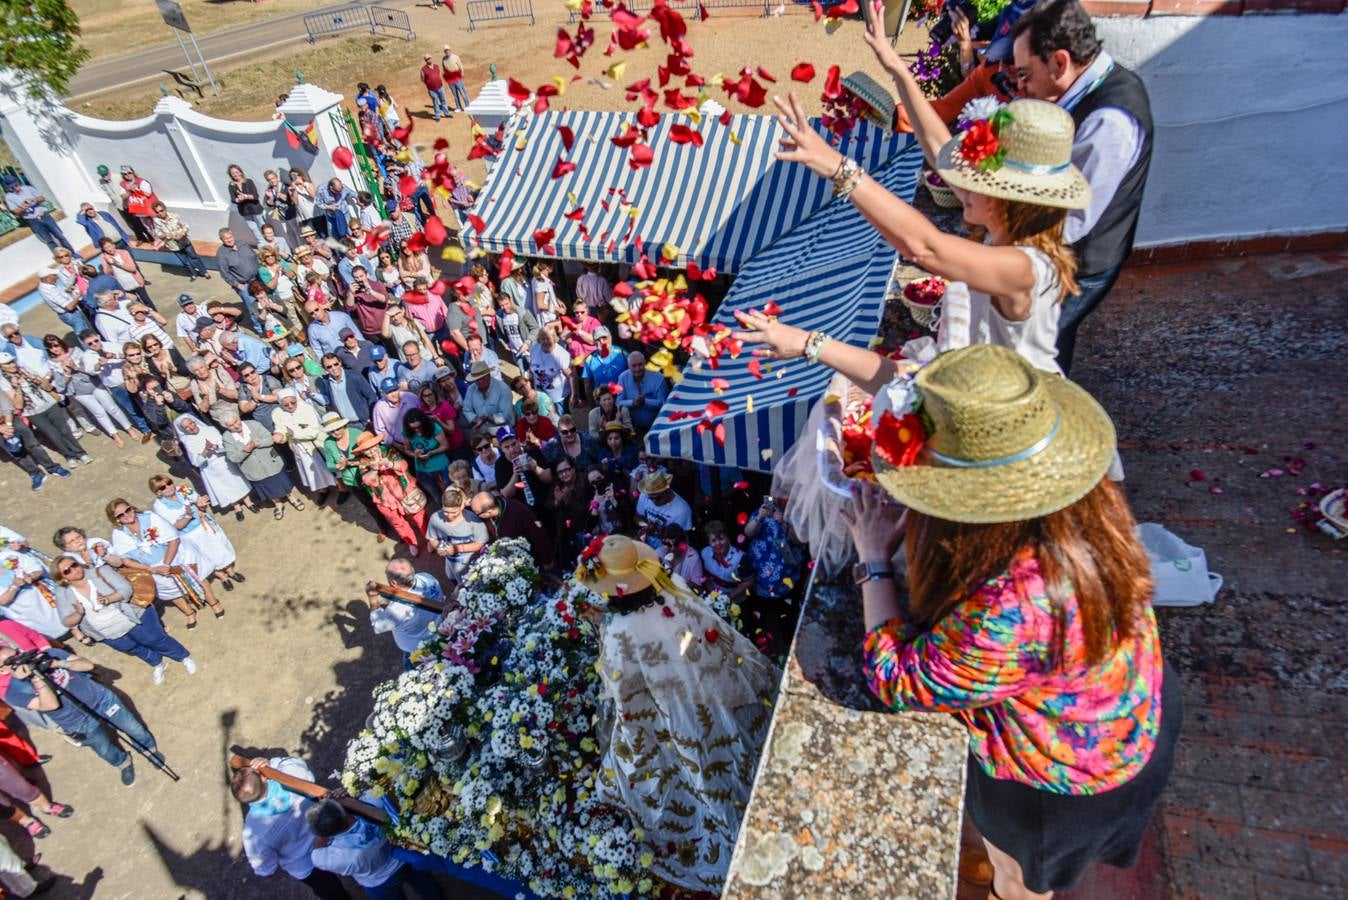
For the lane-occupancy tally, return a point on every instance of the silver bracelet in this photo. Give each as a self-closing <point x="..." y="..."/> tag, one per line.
<point x="846" y="170"/>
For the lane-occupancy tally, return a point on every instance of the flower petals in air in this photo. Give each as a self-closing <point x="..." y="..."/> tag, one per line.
<point x="343" y="158"/>
<point x="803" y="72"/>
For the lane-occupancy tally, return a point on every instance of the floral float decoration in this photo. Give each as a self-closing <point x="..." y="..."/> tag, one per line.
<point x="486" y="751"/>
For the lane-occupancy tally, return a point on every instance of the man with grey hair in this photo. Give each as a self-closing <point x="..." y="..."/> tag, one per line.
<point x="213" y="392"/>
<point x="410" y="624"/>
<point x="238" y="266"/>
<point x="643" y="392"/>
<point x="347" y="845"/>
<point x="64" y="300"/>
<point x="113" y="319"/>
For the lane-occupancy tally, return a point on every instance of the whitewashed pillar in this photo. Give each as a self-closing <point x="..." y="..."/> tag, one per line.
<point x="37" y="132"/>
<point x="310" y="103"/>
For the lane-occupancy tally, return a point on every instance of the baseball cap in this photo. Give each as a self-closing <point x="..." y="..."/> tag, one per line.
<point x="602" y="331"/>
<point x="294" y="350"/>
<point x="346" y="333"/>
<point x="9" y="180"/>
<point x="102" y="170"/>
<point x="1000" y="46"/>
<point x="388" y="385"/>
<point x="126" y="169"/>
<point x="7" y="355"/>
<point x="504" y="433"/>
<point x="184" y="299"/>
<point x="377" y="353"/>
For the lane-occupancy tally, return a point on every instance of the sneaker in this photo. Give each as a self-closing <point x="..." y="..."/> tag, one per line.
<point x="129" y="773"/>
<point x="72" y="463"/>
<point x="38" y="479"/>
<point x="190" y="665"/>
<point x="59" y="472"/>
<point x="157" y="676"/>
<point x="86" y="460"/>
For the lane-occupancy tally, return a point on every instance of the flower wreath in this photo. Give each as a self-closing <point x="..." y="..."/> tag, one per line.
<point x="901" y="428"/>
<point x="981" y="146"/>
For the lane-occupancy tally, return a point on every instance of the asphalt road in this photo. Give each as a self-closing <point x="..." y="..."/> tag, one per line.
<point x="217" y="46"/>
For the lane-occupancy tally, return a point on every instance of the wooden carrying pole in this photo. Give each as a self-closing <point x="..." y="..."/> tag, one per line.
<point x="402" y="595"/>
<point x="317" y="792"/>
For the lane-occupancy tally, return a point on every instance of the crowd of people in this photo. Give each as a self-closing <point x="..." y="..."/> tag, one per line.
<point x="511" y="408"/>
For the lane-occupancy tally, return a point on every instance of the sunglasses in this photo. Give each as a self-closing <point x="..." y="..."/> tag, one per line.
<point x="566" y="431"/>
<point x="294" y="369"/>
<point x="125" y="511"/>
<point x="70" y="569"/>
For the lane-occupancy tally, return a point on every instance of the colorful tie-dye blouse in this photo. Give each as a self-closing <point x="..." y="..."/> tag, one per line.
<point x="1077" y="729"/>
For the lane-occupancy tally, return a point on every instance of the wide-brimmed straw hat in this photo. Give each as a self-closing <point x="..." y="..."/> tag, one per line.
<point x="368" y="440"/>
<point x="334" y="421"/>
<point x="1023" y="152"/>
<point x="480" y="368"/>
<point x="1007" y="441"/>
<point x="655" y="482"/>
<point x="616" y="569"/>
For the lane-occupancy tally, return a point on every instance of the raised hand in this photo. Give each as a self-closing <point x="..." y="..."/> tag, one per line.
<point x="880" y="45"/>
<point x="777" y="340"/>
<point x="802" y="143"/>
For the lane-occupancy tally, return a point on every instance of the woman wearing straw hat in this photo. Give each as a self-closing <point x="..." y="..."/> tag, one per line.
<point x="1028" y="613"/>
<point x="393" y="489"/>
<point x="1014" y="173"/>
<point x="691" y="710"/>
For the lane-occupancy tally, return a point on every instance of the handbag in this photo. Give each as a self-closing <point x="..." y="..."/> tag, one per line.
<point x="414" y="501"/>
<point x="142" y="587"/>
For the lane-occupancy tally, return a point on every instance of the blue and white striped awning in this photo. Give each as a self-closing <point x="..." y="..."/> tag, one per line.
<point x="828" y="274"/>
<point x="720" y="203"/>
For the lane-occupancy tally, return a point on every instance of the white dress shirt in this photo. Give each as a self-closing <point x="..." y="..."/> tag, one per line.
<point x="283" y="840"/>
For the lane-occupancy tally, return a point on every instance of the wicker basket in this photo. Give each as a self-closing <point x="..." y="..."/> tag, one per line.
<point x="879" y="103"/>
<point x="940" y="194"/>
<point x="925" y="316"/>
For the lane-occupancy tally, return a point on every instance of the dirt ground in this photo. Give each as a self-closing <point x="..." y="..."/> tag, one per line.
<point x="725" y="43"/>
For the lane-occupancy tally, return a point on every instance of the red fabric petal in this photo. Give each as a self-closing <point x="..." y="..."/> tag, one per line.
<point x="803" y="72"/>
<point x="518" y="92"/>
<point x="476" y="221"/>
<point x="755" y="367"/>
<point x="682" y="134"/>
<point x="718" y="433"/>
<point x="464" y="286"/>
<point x="562" y="167"/>
<point x="343" y="158"/>
<point x="575" y="215"/>
<point x="441" y="143"/>
<point x="771" y="308"/>
<point x="719" y="384"/>
<point x="417" y="242"/>
<point x="717" y="408"/>
<point x="565" y="45"/>
<point x="846" y="8"/>
<point x="544" y="236"/>
<point x="833" y="84"/>
<point x="568" y="137"/>
<point x="767" y="76"/>
<point x="506" y="264"/>
<point x="407" y="185"/>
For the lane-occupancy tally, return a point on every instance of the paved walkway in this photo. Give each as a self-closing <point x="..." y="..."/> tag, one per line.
<point x="217" y="46"/>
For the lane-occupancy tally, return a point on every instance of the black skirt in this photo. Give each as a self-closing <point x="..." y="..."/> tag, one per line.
<point x="1057" y="837"/>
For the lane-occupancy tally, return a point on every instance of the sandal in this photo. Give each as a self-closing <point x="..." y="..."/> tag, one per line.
<point x="238" y="515"/>
<point x="278" y="513"/>
<point x="298" y="503"/>
<point x="218" y="611"/>
<point x="227" y="584"/>
<point x="191" y="621"/>
<point x="238" y="577"/>
<point x="60" y="810"/>
<point x="36" y="829"/>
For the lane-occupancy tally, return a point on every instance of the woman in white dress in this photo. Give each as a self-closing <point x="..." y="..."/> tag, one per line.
<point x="692" y="705"/>
<point x="205" y="449"/>
<point x="298" y="425"/>
<point x="189" y="512"/>
<point x="145" y="537"/>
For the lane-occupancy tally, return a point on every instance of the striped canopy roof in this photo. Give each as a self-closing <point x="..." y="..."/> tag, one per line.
<point x="830" y="274"/>
<point x="721" y="204"/>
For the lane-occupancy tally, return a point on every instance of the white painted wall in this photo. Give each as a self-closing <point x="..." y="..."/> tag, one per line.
<point x="1251" y="120"/>
<point x="183" y="153"/>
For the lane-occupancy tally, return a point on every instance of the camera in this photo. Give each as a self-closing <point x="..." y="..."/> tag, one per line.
<point x="944" y="28"/>
<point x="34" y="659"/>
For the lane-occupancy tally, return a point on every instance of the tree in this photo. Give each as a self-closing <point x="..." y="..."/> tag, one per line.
<point x="38" y="41"/>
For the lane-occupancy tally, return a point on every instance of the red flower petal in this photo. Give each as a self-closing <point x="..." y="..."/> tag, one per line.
<point x="640" y="157"/>
<point x="342" y="157"/>
<point x="803" y="72"/>
<point x="767" y="76"/>
<point x="518" y="92"/>
<point x="1198" y="475"/>
<point x="846" y="8"/>
<point x="436" y="233"/>
<point x="564" y="44"/>
<point x="568" y="137"/>
<point x="756" y="368"/>
<point x="771" y="308"/>
<point x="712" y="635"/>
<point x="818" y="10"/>
<point x="682" y="134"/>
<point x="506" y="264"/>
<point x="717" y="408"/>
<point x="719" y="384"/>
<point x="575" y="215"/>
<point x="742" y="518"/>
<point x="441" y="143"/>
<point x="668" y="613"/>
<point x="725" y="118"/>
<point x="562" y="167"/>
<point x="407" y="185"/>
<point x="544" y="236"/>
<point x="719" y="433"/>
<point x="476" y="221"/>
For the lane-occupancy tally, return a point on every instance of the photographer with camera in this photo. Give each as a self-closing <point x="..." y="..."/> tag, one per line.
<point x="57" y="683"/>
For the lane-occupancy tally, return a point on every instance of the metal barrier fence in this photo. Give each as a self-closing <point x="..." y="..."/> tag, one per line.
<point x="494" y="10"/>
<point x="375" y="19"/>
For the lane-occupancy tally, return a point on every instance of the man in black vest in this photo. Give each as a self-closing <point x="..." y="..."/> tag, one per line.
<point x="1059" y="59"/>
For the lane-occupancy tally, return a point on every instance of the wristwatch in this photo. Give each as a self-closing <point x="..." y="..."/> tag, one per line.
<point x="863" y="572"/>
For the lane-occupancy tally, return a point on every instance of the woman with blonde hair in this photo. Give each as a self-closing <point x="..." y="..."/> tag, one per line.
<point x="189" y="512"/>
<point x="1013" y="172"/>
